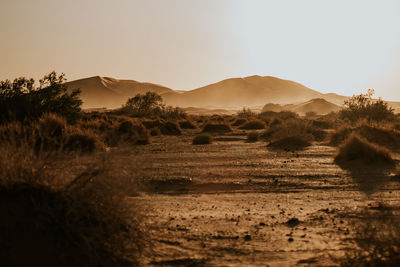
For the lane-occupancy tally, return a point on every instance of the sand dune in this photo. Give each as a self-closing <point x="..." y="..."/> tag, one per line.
<point x="317" y="105"/>
<point x="111" y="93"/>
<point x="231" y="93"/>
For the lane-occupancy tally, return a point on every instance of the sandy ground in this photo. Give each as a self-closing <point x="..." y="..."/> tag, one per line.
<point x="234" y="203"/>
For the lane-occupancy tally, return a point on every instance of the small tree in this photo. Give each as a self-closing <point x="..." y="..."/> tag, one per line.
<point x="144" y="104"/>
<point x="364" y="107"/>
<point x="21" y="100"/>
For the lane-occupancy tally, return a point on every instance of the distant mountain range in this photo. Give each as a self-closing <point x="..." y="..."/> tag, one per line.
<point x="230" y="94"/>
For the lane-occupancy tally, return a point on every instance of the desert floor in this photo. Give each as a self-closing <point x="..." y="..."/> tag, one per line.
<point x="234" y="203"/>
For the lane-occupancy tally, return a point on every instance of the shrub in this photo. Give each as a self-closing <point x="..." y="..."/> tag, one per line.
<point x="202" y="139"/>
<point x="362" y="106"/>
<point x="48" y="221"/>
<point x="239" y="122"/>
<point x="22" y="100"/>
<point x="252" y="136"/>
<point x="253" y="125"/>
<point x="217" y="127"/>
<point x="356" y="149"/>
<point x="83" y="141"/>
<point x="170" y="128"/>
<point x="289" y="143"/>
<point x="155" y="131"/>
<point x="246" y="113"/>
<point x="187" y="124"/>
<point x="292" y="128"/>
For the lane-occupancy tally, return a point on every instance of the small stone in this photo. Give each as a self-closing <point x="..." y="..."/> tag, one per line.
<point x="247" y="237"/>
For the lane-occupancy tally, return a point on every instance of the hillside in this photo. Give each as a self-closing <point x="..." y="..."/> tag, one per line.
<point x="231" y="93"/>
<point x="98" y="92"/>
<point x="317" y="105"/>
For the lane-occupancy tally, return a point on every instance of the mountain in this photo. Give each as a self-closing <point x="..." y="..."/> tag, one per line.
<point x="231" y="93"/>
<point x="317" y="105"/>
<point x="107" y="92"/>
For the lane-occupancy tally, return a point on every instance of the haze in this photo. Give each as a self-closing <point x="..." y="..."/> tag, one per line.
<point x="344" y="47"/>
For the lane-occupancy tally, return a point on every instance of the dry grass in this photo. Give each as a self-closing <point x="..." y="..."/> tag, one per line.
<point x="253" y="125"/>
<point x="239" y="122"/>
<point x="217" y="127"/>
<point x="356" y="149"/>
<point x="187" y="124"/>
<point x="202" y="139"/>
<point x="253" y="136"/>
<point x="298" y="128"/>
<point x="47" y="220"/>
<point x="289" y="143"/>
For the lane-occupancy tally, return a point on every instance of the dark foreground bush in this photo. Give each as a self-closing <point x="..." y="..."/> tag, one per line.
<point x="356" y="149"/>
<point x="202" y="139"/>
<point x="166" y="127"/>
<point x="239" y="122"/>
<point x="252" y="136"/>
<point x="187" y="124"/>
<point x="253" y="125"/>
<point x="47" y="221"/>
<point x="217" y="127"/>
<point x="290" y="143"/>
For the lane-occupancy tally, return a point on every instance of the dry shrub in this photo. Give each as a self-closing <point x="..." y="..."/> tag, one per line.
<point x="166" y="127"/>
<point x="48" y="221"/>
<point x="356" y="149"/>
<point x="187" y="124"/>
<point x="239" y="122"/>
<point x="155" y="131"/>
<point x="382" y="135"/>
<point x="253" y="125"/>
<point x="302" y="129"/>
<point x="289" y="143"/>
<point x="252" y="136"/>
<point x="377" y="240"/>
<point x="84" y="141"/>
<point x="202" y="139"/>
<point x="216" y="127"/>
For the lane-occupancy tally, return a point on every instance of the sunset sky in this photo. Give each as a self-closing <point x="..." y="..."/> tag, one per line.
<point x="336" y="46"/>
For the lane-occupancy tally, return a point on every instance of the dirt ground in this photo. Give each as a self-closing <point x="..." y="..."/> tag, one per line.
<point x="234" y="203"/>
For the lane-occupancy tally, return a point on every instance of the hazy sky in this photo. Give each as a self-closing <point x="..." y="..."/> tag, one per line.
<point x="330" y="46"/>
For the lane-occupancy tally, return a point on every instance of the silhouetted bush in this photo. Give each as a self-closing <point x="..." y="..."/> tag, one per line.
<point x="187" y="124"/>
<point x="155" y="131"/>
<point x="22" y="100"/>
<point x="356" y="149"/>
<point x="217" y="127"/>
<point x="202" y="139"/>
<point x="246" y="113"/>
<point x="253" y="125"/>
<point x="239" y="121"/>
<point x="49" y="221"/>
<point x="289" y="143"/>
<point x="252" y="136"/>
<point x="170" y="128"/>
<point x="364" y="107"/>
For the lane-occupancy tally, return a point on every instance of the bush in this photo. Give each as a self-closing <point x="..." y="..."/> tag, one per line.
<point x="252" y="136"/>
<point x="246" y="113"/>
<point x="362" y="106"/>
<point x="217" y="127"/>
<point x="49" y="221"/>
<point x="155" y="131"/>
<point x="253" y="125"/>
<point x="289" y="143"/>
<point x="293" y="128"/>
<point x="202" y="139"/>
<point x="22" y="100"/>
<point x="170" y="128"/>
<point x="239" y="122"/>
<point x="187" y="124"/>
<point x="356" y="149"/>
<point x="83" y="141"/>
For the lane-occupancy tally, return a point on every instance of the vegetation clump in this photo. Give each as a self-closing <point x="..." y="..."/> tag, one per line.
<point x="21" y="100"/>
<point x="363" y="106"/>
<point x="252" y="136"/>
<point x="202" y="139"/>
<point x="356" y="149"/>
<point x="239" y="121"/>
<point x="187" y="124"/>
<point x="217" y="127"/>
<point x="289" y="143"/>
<point x="253" y="125"/>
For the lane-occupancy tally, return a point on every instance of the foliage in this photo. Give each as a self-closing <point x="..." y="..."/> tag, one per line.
<point x="202" y="139"/>
<point x="253" y="136"/>
<point x="22" y="100"/>
<point x="364" y="107"/>
<point x="151" y="104"/>
<point x="245" y="113"/>
<point x="253" y="124"/>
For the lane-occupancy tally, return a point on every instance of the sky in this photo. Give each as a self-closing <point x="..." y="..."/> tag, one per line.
<point x="341" y="46"/>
